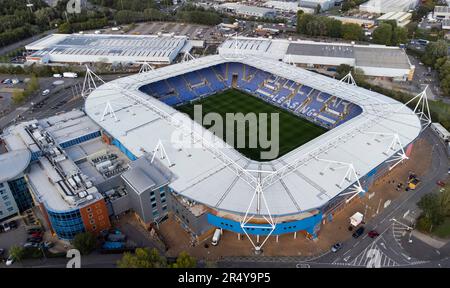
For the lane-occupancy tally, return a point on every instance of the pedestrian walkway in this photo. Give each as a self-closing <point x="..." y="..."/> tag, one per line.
<point x="433" y="242"/>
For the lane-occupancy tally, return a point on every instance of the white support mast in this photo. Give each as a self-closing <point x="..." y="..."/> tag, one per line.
<point x="145" y="67"/>
<point x="258" y="202"/>
<point x="108" y="111"/>
<point x="350" y="176"/>
<point x="421" y="108"/>
<point x="89" y="83"/>
<point x="348" y="79"/>
<point x="187" y="57"/>
<point x="162" y="153"/>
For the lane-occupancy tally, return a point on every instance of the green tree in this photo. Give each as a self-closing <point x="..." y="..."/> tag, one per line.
<point x="142" y="258"/>
<point x="351" y="31"/>
<point x="383" y="34"/>
<point x="399" y="36"/>
<point x="434" y="51"/>
<point x="65" y="28"/>
<point x="17" y="252"/>
<point x="431" y="209"/>
<point x="85" y="242"/>
<point x="184" y="260"/>
<point x="334" y="28"/>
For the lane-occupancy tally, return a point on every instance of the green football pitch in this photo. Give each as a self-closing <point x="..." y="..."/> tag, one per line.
<point x="293" y="130"/>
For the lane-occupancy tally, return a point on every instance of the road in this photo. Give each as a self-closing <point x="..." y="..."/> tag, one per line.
<point x="64" y="97"/>
<point x="24" y="42"/>
<point x="387" y="249"/>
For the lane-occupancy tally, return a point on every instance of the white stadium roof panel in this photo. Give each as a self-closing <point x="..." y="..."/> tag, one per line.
<point x="203" y="177"/>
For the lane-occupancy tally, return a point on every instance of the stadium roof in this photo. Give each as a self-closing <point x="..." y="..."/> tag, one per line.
<point x="220" y="177"/>
<point x="13" y="164"/>
<point x="108" y="48"/>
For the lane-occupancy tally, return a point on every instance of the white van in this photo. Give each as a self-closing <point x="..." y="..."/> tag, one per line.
<point x="216" y="237"/>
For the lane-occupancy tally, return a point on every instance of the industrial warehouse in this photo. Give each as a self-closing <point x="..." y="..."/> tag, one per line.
<point x="373" y="60"/>
<point x="91" y="48"/>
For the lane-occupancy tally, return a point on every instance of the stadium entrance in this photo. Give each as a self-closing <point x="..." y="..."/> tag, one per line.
<point x="234" y="81"/>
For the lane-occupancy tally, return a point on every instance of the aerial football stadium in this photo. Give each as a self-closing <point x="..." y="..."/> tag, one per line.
<point x="335" y="139"/>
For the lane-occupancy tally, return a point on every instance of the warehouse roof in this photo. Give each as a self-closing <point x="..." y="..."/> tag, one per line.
<point x="129" y="47"/>
<point x="320" y="49"/>
<point x="381" y="57"/>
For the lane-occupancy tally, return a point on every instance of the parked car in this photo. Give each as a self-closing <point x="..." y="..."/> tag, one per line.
<point x="34" y="239"/>
<point x="31" y="244"/>
<point x="358" y="232"/>
<point x="373" y="234"/>
<point x="440" y="183"/>
<point x="336" y="247"/>
<point x="33" y="230"/>
<point x="36" y="234"/>
<point x="45" y="92"/>
<point x="48" y="244"/>
<point x="12" y="224"/>
<point x="9" y="261"/>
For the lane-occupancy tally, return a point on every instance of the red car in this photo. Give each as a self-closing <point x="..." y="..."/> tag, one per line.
<point x="36" y="234"/>
<point x="440" y="183"/>
<point x="373" y="234"/>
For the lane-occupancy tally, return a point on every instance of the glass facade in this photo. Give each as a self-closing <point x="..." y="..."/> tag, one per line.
<point x="66" y="224"/>
<point x="80" y="139"/>
<point x="21" y="194"/>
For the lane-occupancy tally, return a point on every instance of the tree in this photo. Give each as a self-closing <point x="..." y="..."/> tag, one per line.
<point x="184" y="260"/>
<point x="18" y="96"/>
<point x="142" y="258"/>
<point x="318" y="9"/>
<point x="430" y="205"/>
<point x="383" y="34"/>
<point x="85" y="242"/>
<point x="399" y="36"/>
<point x="334" y="28"/>
<point x="434" y="51"/>
<point x="351" y="31"/>
<point x="17" y="252"/>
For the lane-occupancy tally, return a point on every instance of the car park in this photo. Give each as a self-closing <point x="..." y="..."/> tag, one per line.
<point x="358" y="232"/>
<point x="440" y="183"/>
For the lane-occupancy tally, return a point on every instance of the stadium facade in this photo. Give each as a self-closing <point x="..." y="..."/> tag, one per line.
<point x="119" y="155"/>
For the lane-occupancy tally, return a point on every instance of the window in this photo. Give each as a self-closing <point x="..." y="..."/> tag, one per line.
<point x="88" y="209"/>
<point x="10" y="209"/>
<point x="92" y="221"/>
<point x="155" y="213"/>
<point x="5" y="197"/>
<point x="153" y="205"/>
